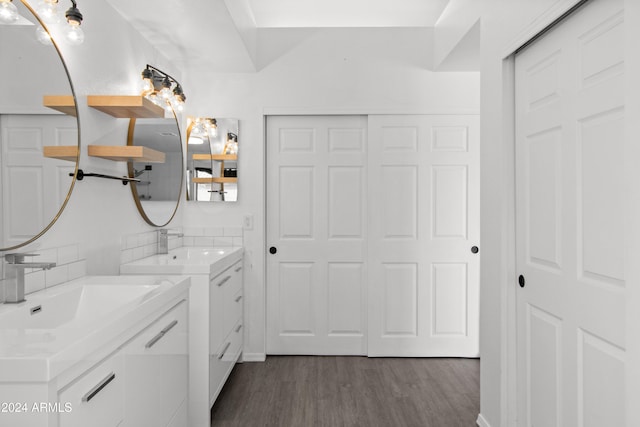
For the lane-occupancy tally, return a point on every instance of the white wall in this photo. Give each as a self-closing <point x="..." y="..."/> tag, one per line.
<point x="327" y="71"/>
<point x="101" y="211"/>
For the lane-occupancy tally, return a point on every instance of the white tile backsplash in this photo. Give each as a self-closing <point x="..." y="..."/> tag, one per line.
<point x="77" y="269"/>
<point x="68" y="254"/>
<point x="223" y="241"/>
<point x="34" y="282"/>
<point x="142" y="245"/>
<point x="56" y="275"/>
<point x="70" y="264"/>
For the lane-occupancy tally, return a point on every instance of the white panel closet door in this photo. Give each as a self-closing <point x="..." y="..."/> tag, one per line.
<point x="28" y="178"/>
<point x="316" y="289"/>
<point x="570" y="225"/>
<point x="423" y="223"/>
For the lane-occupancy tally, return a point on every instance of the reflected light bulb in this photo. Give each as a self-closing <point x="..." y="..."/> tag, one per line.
<point x="8" y="12"/>
<point x="43" y="36"/>
<point x="194" y="140"/>
<point x="48" y="11"/>
<point x="74" y="33"/>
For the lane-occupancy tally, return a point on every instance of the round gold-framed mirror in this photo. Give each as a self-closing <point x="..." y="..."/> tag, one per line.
<point x="159" y="172"/>
<point x="39" y="130"/>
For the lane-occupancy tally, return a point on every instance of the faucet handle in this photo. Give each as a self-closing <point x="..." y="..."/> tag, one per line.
<point x="17" y="258"/>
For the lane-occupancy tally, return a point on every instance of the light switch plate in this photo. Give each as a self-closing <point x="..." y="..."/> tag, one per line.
<point x="247" y="222"/>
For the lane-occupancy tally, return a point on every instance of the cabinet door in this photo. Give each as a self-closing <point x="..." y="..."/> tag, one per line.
<point x="156" y="367"/>
<point x="96" y="398"/>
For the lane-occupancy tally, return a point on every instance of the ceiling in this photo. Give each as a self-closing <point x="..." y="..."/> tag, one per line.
<point x="234" y="35"/>
<point x="346" y="13"/>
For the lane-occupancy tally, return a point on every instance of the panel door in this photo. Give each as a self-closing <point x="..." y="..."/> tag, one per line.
<point x="33" y="187"/>
<point x="423" y="224"/>
<point x="316" y="295"/>
<point x="569" y="215"/>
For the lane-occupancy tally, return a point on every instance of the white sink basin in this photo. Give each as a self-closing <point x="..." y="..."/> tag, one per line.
<point x="185" y="260"/>
<point x="62" y="326"/>
<point x="79" y="305"/>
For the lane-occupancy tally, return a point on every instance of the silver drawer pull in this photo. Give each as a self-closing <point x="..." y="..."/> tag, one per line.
<point x="238" y="328"/>
<point x="224" y="350"/>
<point x="169" y="326"/>
<point x="238" y="269"/>
<point x="223" y="281"/>
<point x="161" y="334"/>
<point x="98" y="388"/>
<point x="239" y="298"/>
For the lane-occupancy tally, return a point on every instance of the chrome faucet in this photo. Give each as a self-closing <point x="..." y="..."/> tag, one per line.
<point x="163" y="240"/>
<point x="14" y="290"/>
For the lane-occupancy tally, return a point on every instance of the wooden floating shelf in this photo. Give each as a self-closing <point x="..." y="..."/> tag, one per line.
<point x="125" y="106"/>
<point x="225" y="180"/>
<point x="221" y="157"/>
<point x="61" y="152"/>
<point x="126" y="153"/>
<point x="63" y="103"/>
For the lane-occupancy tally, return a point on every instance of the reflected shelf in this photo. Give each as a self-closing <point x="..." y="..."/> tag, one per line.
<point x="225" y="180"/>
<point x="126" y="153"/>
<point x="219" y="157"/>
<point x="61" y="152"/>
<point x="62" y="103"/>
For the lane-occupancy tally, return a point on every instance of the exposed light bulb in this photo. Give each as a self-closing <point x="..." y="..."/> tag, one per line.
<point x="165" y="94"/>
<point x="74" y="33"/>
<point x="8" y="12"/>
<point x="43" y="36"/>
<point x="48" y="11"/>
<point x="153" y="97"/>
<point x="147" y="82"/>
<point x="147" y="87"/>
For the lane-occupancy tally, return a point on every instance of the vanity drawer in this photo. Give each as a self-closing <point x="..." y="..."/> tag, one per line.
<point x="156" y="367"/>
<point x="97" y="398"/>
<point x="222" y="361"/>
<point x="232" y="311"/>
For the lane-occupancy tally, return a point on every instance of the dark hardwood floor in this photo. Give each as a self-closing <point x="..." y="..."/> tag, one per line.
<point x="300" y="391"/>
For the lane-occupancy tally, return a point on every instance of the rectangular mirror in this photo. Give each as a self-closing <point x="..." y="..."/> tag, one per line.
<point x="212" y="159"/>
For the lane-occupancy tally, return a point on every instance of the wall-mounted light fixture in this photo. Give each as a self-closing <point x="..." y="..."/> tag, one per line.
<point x="162" y="89"/>
<point x="49" y="17"/>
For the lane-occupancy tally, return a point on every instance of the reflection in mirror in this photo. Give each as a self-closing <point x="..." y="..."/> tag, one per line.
<point x="39" y="135"/>
<point x="212" y="165"/>
<point x="157" y="195"/>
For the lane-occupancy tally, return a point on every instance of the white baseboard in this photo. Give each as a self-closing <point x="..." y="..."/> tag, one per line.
<point x="254" y="357"/>
<point x="481" y="422"/>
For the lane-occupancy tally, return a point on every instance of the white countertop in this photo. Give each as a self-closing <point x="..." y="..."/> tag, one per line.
<point x="186" y="260"/>
<point x="41" y="354"/>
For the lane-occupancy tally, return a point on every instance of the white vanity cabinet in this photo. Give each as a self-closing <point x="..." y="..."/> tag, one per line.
<point x="128" y="368"/>
<point x="225" y="320"/>
<point x="215" y="316"/>
<point x="144" y="384"/>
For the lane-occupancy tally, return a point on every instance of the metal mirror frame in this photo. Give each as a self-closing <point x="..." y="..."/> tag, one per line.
<point x="75" y="173"/>
<point x="131" y="172"/>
